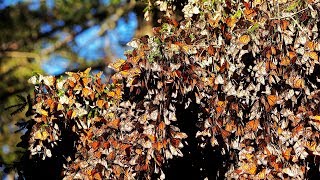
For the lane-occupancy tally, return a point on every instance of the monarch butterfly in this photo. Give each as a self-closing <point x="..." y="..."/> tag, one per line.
<point x="311" y="145"/>
<point x="116" y="169"/>
<point x="313" y="55"/>
<point x="145" y="167"/>
<point x="249" y="13"/>
<point x="231" y="22"/>
<point x="249" y="168"/>
<point x="252" y="125"/>
<point x="298" y="83"/>
<point x="86" y="81"/>
<point x="48" y="153"/>
<point x="287" y="154"/>
<point x="49" y="80"/>
<point x="157" y="145"/>
<point x="180" y="135"/>
<point x="41" y="134"/>
<point x="125" y="147"/>
<point x="262" y="174"/>
<point x="135" y="59"/>
<point x="284" y="24"/>
<point x="244" y="39"/>
<point x="95" y="145"/>
<point x="86" y="92"/>
<point x="159" y="159"/>
<point x="175" y="142"/>
<point x="100" y="103"/>
<point x="211" y="50"/>
<point x="292" y="56"/>
<point x="235" y="107"/>
<point x="213" y="141"/>
<point x="272" y="99"/>
<point x="249" y="156"/>
<point x="310" y="45"/>
<point x="214" y="21"/>
<point x="111" y="156"/>
<point x="240" y="131"/>
<point x="132" y="72"/>
<point x="230" y="126"/>
<point x="71" y="83"/>
<point x="220" y="108"/>
<point x="114" y="123"/>
<point x="270" y="65"/>
<point x="85" y="73"/>
<point x="96" y="175"/>
<point x="276" y="166"/>
<point x="120" y="65"/>
<point x="43" y="112"/>
<point x="76" y="76"/>
<point x="297" y="129"/>
<point x="152" y="138"/>
<point x="317" y="117"/>
<point x="285" y="61"/>
<point x="49" y="101"/>
<point x="225" y="134"/>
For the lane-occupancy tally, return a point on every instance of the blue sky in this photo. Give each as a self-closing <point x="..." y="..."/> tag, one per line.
<point x="6" y="3"/>
<point x="34" y="4"/>
<point x="89" y="46"/>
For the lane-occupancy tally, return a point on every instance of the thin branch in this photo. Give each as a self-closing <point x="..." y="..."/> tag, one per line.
<point x="104" y="27"/>
<point x="115" y="17"/>
<point x="295" y="21"/>
<point x="18" y="54"/>
<point x="109" y="22"/>
<point x="57" y="45"/>
<point x="292" y="14"/>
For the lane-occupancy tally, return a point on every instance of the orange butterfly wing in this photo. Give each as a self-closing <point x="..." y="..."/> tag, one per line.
<point x="244" y="39"/>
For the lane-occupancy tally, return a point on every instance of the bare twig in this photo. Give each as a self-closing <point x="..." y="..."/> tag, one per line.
<point x="104" y="27"/>
<point x="18" y="54"/>
<point x="295" y="21"/>
<point x="57" y="45"/>
<point x="107" y="24"/>
<point x="292" y="14"/>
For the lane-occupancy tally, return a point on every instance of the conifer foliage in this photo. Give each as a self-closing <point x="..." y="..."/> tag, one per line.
<point x="251" y="67"/>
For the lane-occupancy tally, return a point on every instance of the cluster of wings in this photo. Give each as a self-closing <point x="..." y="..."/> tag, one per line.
<point x="252" y="68"/>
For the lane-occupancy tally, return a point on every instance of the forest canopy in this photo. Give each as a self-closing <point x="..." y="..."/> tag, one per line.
<point x="238" y="79"/>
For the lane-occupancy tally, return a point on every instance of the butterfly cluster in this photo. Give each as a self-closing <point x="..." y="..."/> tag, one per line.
<point x="264" y="94"/>
<point x="117" y="138"/>
<point x="252" y="68"/>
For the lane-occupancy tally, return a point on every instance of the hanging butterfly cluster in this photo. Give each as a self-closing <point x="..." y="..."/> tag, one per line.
<point x="252" y="67"/>
<point x="118" y="138"/>
<point x="262" y="105"/>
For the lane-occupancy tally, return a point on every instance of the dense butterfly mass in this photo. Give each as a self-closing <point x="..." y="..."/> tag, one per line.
<point x="252" y="67"/>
